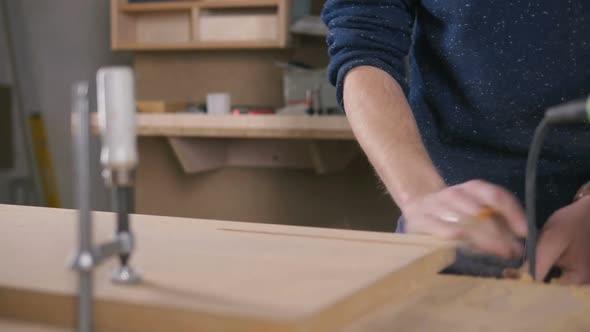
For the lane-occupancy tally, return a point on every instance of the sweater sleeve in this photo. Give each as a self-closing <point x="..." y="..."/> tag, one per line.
<point x="374" y="33"/>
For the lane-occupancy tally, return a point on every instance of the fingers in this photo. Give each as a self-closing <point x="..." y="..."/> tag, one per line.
<point x="431" y="225"/>
<point x="551" y="245"/>
<point x="455" y="213"/>
<point x="502" y="201"/>
<point x="494" y="236"/>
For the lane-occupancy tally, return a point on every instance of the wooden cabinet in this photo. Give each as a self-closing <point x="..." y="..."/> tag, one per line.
<point x="201" y="24"/>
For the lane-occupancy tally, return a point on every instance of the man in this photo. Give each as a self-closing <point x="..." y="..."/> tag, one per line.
<point x="447" y="143"/>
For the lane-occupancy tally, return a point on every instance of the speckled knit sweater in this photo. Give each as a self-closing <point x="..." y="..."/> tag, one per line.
<point x="481" y="74"/>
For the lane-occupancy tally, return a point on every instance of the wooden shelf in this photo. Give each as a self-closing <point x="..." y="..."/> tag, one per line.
<point x="198" y="46"/>
<point x="245" y="126"/>
<point x="156" y="6"/>
<point x="210" y="4"/>
<point x="199" y="25"/>
<point x="187" y="5"/>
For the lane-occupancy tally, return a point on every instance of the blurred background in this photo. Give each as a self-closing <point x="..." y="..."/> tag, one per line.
<point x="236" y="117"/>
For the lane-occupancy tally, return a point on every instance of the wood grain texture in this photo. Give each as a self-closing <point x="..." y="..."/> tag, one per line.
<point x="450" y="303"/>
<point x="210" y="275"/>
<point x="246" y="126"/>
<point x="185" y="5"/>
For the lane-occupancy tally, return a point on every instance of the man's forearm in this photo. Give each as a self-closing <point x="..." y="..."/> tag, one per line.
<point x="386" y="130"/>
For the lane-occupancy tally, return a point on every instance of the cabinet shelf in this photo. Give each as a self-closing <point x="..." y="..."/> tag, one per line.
<point x="199" y="46"/>
<point x="198" y="25"/>
<point x="188" y="5"/>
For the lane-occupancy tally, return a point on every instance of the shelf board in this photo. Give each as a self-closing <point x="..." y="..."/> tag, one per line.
<point x="270" y="44"/>
<point x="187" y="5"/>
<point x="330" y="127"/>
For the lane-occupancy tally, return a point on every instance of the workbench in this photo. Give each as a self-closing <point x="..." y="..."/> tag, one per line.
<point x="295" y="170"/>
<point x="206" y="275"/>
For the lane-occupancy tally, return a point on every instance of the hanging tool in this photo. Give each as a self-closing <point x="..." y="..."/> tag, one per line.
<point x="116" y="110"/>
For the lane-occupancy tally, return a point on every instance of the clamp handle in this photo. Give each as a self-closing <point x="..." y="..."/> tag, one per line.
<point x="116" y="117"/>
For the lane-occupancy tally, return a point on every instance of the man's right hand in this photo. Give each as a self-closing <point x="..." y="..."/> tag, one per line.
<point x="384" y="125"/>
<point x="452" y="213"/>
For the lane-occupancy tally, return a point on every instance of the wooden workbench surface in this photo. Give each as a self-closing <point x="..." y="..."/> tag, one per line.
<point x="226" y="276"/>
<point x="210" y="275"/>
<point x="246" y="126"/>
<point x="467" y="304"/>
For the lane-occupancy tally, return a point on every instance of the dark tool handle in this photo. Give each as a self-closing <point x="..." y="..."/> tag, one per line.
<point x="124" y="204"/>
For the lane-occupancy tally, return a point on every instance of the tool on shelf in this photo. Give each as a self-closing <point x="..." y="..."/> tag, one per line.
<point x="116" y="111"/>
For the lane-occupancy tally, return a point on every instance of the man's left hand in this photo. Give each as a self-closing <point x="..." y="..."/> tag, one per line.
<point x="565" y="243"/>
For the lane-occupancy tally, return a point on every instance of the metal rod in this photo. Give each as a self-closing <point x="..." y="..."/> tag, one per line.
<point x="123" y="200"/>
<point x="81" y="111"/>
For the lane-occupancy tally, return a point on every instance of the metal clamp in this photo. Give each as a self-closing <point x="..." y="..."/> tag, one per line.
<point x="89" y="256"/>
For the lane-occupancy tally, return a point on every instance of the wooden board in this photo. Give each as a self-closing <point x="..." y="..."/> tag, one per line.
<point x="210" y="275"/>
<point x="245" y="126"/>
<point x="450" y="303"/>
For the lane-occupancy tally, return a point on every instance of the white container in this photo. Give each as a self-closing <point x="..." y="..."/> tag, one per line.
<point x="218" y="104"/>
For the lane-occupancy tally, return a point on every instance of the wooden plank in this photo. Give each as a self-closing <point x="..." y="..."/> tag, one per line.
<point x="210" y="275"/>
<point x="451" y="303"/>
<point x="284" y="15"/>
<point x="231" y="126"/>
<point x="198" y="45"/>
<point x="238" y="3"/>
<point x="186" y="5"/>
<point x="123" y="27"/>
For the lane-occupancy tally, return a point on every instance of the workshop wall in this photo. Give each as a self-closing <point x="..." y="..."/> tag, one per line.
<point x="59" y="42"/>
<point x="18" y="153"/>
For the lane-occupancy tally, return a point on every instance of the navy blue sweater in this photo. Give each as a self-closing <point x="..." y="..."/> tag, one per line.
<point x="481" y="75"/>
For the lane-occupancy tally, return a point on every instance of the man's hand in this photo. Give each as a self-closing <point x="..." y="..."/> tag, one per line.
<point x="452" y="213"/>
<point x="565" y="243"/>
